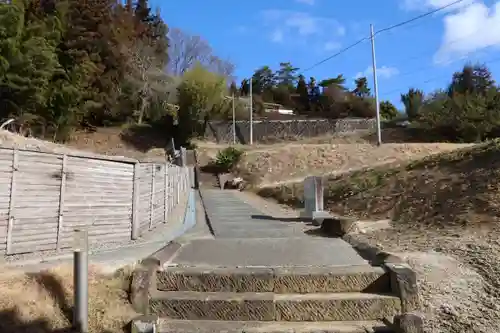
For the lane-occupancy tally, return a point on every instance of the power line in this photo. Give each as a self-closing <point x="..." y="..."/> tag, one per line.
<point x="434" y="78"/>
<point x="381" y="31"/>
<point x="418" y="17"/>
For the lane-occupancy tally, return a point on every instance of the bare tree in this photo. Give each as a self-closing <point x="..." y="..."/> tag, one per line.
<point x="186" y="51"/>
<point x="148" y="79"/>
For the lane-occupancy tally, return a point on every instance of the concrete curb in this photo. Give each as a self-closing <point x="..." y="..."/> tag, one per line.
<point x="144" y="276"/>
<point x="403" y="282"/>
<point x="207" y="219"/>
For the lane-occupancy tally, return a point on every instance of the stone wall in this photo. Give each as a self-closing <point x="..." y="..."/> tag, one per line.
<point x="275" y="130"/>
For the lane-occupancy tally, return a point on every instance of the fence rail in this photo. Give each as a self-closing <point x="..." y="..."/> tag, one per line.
<point x="44" y="197"/>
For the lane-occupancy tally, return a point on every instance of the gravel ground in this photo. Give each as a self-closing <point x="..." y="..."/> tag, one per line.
<point x="458" y="273"/>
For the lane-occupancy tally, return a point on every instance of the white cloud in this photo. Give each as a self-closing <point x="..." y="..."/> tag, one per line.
<point x="295" y="25"/>
<point x="383" y="72"/>
<point x="469" y="30"/>
<point x="469" y="26"/>
<point x="307" y="2"/>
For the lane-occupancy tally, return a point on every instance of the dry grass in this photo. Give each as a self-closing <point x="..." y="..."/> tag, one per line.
<point x="42" y="302"/>
<point x="277" y="165"/>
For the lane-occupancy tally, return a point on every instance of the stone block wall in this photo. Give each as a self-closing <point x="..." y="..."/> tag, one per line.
<point x="276" y="130"/>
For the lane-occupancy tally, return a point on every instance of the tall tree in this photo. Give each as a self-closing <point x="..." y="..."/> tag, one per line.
<point x="287" y="75"/>
<point x="475" y="79"/>
<point x="412" y="101"/>
<point x="361" y="89"/>
<point x="244" y="87"/>
<point x="303" y="98"/>
<point x="388" y="110"/>
<point x="263" y="79"/>
<point x="233" y="90"/>
<point x="188" y="50"/>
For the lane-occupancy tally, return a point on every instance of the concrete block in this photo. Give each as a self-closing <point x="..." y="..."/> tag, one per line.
<point x="338" y="226"/>
<point x="409" y="323"/>
<point x="216" y="279"/>
<point x="304" y="280"/>
<point x="145" y="324"/>
<point x="278" y="280"/>
<point x="404" y="284"/>
<point x="213" y="306"/>
<point x="143" y="279"/>
<point x="335" y="307"/>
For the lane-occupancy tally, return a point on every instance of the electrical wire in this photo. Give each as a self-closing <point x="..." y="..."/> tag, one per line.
<point x="381" y="31"/>
<point x="494" y="60"/>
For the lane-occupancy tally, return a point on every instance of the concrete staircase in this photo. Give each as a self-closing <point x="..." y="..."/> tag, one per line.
<point x="345" y="299"/>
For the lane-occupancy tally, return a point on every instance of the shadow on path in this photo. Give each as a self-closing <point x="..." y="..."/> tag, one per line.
<point x="282" y="219"/>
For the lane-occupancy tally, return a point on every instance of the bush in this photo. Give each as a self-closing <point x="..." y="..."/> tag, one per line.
<point x="228" y="158"/>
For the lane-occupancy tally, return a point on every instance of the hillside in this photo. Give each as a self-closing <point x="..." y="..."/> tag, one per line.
<point x="276" y="165"/>
<point x="445" y="213"/>
<point x="454" y="188"/>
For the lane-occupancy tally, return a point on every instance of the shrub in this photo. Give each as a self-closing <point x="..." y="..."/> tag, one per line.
<point x="227" y="158"/>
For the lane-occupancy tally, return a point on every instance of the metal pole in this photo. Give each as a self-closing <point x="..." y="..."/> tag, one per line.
<point x="81" y="283"/>
<point x="234" y="123"/>
<point x="251" y="113"/>
<point x="375" y="85"/>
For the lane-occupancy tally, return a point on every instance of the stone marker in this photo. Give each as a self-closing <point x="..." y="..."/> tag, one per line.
<point x="314" y="200"/>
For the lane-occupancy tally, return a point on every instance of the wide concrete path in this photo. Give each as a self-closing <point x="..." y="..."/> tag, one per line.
<point x="244" y="236"/>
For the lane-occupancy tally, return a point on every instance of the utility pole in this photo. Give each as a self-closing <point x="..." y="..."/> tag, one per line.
<point x="375" y="85"/>
<point x="251" y="113"/>
<point x="234" y="122"/>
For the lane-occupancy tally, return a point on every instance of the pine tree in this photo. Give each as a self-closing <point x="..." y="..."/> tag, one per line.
<point x="303" y="100"/>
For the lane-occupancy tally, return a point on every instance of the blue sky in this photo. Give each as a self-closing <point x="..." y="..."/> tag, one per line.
<point x="422" y="54"/>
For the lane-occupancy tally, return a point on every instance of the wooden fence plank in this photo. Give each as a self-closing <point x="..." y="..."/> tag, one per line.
<point x="135" y="204"/>
<point x="152" y="198"/>
<point x="10" y="226"/>
<point x="61" y="202"/>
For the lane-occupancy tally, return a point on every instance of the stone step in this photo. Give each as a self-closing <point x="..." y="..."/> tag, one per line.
<point x="191" y="305"/>
<point x="207" y="326"/>
<point x="278" y="280"/>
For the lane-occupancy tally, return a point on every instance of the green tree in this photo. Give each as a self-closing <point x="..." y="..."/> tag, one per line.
<point x="388" y="111"/>
<point x="412" y="101"/>
<point x="286" y="75"/>
<point x="244" y="87"/>
<point x="303" y="95"/>
<point x="263" y="80"/>
<point x="336" y="82"/>
<point x="233" y="90"/>
<point x="475" y="79"/>
<point x="361" y="89"/>
<point x="199" y="93"/>
<point x="28" y="63"/>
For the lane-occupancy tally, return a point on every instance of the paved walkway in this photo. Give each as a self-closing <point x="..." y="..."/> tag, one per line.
<point x="244" y="236"/>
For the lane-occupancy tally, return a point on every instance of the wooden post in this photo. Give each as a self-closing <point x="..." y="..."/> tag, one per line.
<point x="10" y="225"/>
<point x="152" y="198"/>
<point x="165" y="194"/>
<point x="135" y="203"/>
<point x="62" y="192"/>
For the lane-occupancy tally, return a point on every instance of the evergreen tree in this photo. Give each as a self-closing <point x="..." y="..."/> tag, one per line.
<point x="303" y="99"/>
<point x="361" y="89"/>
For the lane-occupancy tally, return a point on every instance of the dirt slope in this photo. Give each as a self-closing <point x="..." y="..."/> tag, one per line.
<point x="445" y="210"/>
<point x="275" y="165"/>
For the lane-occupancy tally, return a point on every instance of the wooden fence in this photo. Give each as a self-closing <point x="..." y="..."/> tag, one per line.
<point x="44" y="197"/>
